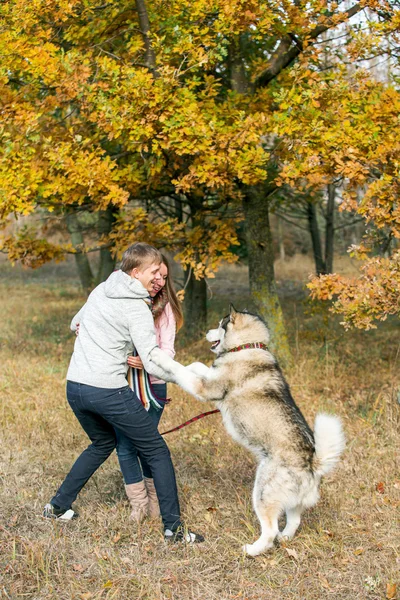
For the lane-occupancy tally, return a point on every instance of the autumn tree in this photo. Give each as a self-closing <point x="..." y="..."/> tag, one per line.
<point x="108" y="105"/>
<point x="359" y="143"/>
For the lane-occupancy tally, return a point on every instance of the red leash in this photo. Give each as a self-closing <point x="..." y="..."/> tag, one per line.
<point x="210" y="412"/>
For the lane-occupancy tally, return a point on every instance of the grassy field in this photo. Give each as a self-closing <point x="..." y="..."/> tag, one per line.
<point x="347" y="546"/>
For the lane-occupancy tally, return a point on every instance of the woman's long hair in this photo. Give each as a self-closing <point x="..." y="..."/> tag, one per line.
<point x="168" y="294"/>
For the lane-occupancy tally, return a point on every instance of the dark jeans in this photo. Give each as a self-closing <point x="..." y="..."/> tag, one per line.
<point x="99" y="411"/>
<point x="128" y="456"/>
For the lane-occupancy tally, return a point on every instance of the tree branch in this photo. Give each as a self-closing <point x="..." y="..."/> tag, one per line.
<point x="285" y="53"/>
<point x="281" y="216"/>
<point x="150" y="57"/>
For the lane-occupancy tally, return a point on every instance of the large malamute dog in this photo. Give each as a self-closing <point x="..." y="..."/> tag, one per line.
<point x="258" y="410"/>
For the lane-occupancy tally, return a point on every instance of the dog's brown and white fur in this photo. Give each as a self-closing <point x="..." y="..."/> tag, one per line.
<point x="259" y="412"/>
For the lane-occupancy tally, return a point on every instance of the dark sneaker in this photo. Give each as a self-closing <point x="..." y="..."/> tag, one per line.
<point x="54" y="512"/>
<point x="183" y="535"/>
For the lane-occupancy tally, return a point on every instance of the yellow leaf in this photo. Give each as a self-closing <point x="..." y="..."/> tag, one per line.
<point x="391" y="591"/>
<point x="292" y="553"/>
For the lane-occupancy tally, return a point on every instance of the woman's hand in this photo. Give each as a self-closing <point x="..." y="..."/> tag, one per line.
<point x="135" y="362"/>
<point x="77" y="329"/>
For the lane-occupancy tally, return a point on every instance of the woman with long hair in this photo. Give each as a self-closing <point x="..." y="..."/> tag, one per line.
<point x="168" y="319"/>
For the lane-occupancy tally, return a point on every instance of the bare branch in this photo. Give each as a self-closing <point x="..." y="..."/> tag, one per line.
<point x="286" y="53"/>
<point x="281" y="216"/>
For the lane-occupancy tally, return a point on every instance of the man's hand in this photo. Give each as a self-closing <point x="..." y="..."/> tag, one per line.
<point x="135" y="362"/>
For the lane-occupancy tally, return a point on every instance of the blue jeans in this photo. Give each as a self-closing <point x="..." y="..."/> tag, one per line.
<point x="133" y="470"/>
<point x="100" y="411"/>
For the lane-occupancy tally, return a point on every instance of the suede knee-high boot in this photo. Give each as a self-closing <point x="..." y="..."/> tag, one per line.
<point x="138" y="498"/>
<point x="154" y="507"/>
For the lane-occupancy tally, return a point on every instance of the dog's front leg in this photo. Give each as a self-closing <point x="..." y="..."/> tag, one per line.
<point x="177" y="373"/>
<point x="198" y="368"/>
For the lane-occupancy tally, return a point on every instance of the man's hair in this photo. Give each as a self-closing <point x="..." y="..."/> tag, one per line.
<point x="139" y="254"/>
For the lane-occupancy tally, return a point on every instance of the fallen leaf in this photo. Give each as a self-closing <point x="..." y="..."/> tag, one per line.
<point x="358" y="551"/>
<point x="328" y="533"/>
<point x="380" y="487"/>
<point x="391" y="591"/>
<point x="108" y="584"/>
<point x="325" y="583"/>
<point x="116" y="538"/>
<point x="78" y="568"/>
<point x="86" y="596"/>
<point x="292" y="553"/>
<point x="212" y="509"/>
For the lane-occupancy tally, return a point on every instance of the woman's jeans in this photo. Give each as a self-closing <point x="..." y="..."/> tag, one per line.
<point x="128" y="456"/>
<point x="99" y="411"/>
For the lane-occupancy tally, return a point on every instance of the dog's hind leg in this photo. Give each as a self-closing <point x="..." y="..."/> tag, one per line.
<point x="267" y="511"/>
<point x="268" y="516"/>
<point x="293" y="517"/>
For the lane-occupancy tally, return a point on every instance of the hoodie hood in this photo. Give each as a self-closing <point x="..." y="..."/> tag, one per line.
<point x="122" y="285"/>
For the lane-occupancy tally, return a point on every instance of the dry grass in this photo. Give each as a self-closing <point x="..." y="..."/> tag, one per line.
<point x="347" y="547"/>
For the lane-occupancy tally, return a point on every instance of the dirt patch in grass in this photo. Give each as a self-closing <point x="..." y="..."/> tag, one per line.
<point x="347" y="546"/>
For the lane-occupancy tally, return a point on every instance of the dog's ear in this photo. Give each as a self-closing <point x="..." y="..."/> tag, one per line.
<point x="232" y="310"/>
<point x="232" y="313"/>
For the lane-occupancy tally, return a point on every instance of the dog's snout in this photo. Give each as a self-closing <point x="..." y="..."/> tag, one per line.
<point x="212" y="335"/>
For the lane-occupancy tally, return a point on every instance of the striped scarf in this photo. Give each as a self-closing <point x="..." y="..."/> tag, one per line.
<point x="139" y="382"/>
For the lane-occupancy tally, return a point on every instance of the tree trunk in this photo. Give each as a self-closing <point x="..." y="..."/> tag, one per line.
<point x="195" y="307"/>
<point x="178" y="204"/>
<point x="330" y="232"/>
<point x="261" y="269"/>
<point x="281" y="243"/>
<point x="81" y="259"/>
<point x="107" y="260"/>
<point x="315" y="238"/>
<point x="195" y="303"/>
<point x="238" y="76"/>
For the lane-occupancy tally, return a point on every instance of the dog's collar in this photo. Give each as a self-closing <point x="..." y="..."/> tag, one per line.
<point x="259" y="345"/>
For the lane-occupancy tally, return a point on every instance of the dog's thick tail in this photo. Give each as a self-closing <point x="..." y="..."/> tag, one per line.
<point x="329" y="443"/>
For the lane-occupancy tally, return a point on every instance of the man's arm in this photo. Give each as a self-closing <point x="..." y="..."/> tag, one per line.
<point x="155" y="361"/>
<point x="142" y="332"/>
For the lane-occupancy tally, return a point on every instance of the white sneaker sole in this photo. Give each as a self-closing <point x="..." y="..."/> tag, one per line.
<point x="68" y="515"/>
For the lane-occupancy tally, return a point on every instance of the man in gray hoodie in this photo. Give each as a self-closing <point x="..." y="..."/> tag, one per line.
<point x="115" y="319"/>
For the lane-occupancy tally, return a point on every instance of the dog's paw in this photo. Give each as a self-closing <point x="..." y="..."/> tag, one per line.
<point x="251" y="550"/>
<point x="245" y="549"/>
<point x="259" y="546"/>
<point x="283" y="537"/>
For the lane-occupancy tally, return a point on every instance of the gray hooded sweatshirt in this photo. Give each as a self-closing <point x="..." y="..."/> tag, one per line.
<point x="115" y="319"/>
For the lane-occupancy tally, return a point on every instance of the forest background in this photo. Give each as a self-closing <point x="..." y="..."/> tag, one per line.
<point x="257" y="144"/>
